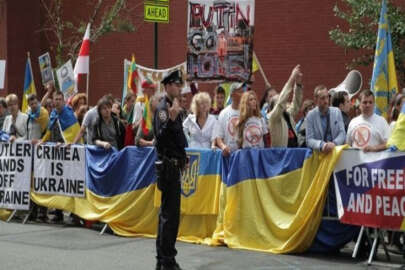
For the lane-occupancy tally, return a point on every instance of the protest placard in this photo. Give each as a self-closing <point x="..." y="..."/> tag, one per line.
<point x="370" y="189"/>
<point x="66" y="79"/>
<point x="15" y="175"/>
<point x="220" y="40"/>
<point x="2" y="73"/>
<point x="45" y="67"/>
<point x="60" y="170"/>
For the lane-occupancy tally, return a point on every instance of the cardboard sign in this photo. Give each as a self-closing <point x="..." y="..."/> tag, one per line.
<point x="60" y="170"/>
<point x="66" y="79"/>
<point x="15" y="175"/>
<point x="2" y="73"/>
<point x="45" y="66"/>
<point x="220" y="40"/>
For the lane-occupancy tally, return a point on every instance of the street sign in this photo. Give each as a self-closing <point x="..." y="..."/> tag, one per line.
<point x="156" y="11"/>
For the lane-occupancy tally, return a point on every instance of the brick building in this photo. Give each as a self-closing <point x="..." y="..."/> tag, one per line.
<point x="286" y="33"/>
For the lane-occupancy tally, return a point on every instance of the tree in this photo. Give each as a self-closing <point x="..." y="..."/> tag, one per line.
<point x="65" y="36"/>
<point x="362" y="18"/>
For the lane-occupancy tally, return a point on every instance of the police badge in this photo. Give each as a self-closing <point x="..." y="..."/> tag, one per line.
<point x="190" y="174"/>
<point x="162" y="116"/>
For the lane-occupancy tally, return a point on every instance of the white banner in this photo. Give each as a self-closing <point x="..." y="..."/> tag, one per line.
<point x="60" y="170"/>
<point x="156" y="76"/>
<point x="15" y="175"/>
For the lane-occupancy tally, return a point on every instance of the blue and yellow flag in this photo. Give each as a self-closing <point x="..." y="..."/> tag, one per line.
<point x="396" y="140"/>
<point x="384" y="81"/>
<point x="68" y="124"/>
<point x="41" y="116"/>
<point x="29" y="85"/>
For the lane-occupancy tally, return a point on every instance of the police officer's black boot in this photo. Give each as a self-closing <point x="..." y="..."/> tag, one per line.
<point x="158" y="266"/>
<point x="176" y="266"/>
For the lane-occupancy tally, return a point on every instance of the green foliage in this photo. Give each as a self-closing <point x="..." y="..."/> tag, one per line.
<point x="66" y="36"/>
<point x="360" y="31"/>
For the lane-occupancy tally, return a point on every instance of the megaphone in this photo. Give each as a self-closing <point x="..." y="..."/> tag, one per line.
<point x="351" y="85"/>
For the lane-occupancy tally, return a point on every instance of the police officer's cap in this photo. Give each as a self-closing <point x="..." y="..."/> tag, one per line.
<point x="173" y="77"/>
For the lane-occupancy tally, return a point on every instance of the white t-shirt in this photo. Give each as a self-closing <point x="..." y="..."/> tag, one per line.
<point x="197" y="137"/>
<point x="89" y="120"/>
<point x="226" y="127"/>
<point x="392" y="126"/>
<point x="20" y="126"/>
<point x="253" y="131"/>
<point x="370" y="131"/>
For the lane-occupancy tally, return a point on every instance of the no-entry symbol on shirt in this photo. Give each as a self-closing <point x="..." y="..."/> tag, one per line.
<point x="253" y="134"/>
<point x="361" y="136"/>
<point x="232" y="125"/>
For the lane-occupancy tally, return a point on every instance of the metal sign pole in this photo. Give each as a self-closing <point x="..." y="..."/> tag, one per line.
<point x="156" y="36"/>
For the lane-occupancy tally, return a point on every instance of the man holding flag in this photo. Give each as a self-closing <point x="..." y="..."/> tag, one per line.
<point x="62" y="128"/>
<point x="384" y="81"/>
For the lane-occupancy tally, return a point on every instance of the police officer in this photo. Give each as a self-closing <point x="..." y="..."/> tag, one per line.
<point x="170" y="144"/>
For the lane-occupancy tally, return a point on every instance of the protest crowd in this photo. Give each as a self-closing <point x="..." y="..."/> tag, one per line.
<point x="172" y="114"/>
<point x="219" y="123"/>
<point x="330" y="119"/>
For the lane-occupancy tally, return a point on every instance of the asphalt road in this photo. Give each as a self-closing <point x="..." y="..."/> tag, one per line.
<point x="43" y="247"/>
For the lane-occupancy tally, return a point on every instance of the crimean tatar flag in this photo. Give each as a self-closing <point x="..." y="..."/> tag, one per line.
<point x="29" y="85"/>
<point x="384" y="81"/>
<point x="132" y="75"/>
<point x="147" y="118"/>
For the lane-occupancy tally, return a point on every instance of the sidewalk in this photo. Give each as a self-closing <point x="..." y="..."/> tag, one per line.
<point x="43" y="247"/>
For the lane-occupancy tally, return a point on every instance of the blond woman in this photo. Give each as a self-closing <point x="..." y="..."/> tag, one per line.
<point x="251" y="127"/>
<point x="199" y="126"/>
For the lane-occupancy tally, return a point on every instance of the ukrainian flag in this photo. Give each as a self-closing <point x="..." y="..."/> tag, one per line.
<point x="273" y="199"/>
<point x="384" y="81"/>
<point x="200" y="194"/>
<point x="396" y="139"/>
<point x="269" y="200"/>
<point x="115" y="194"/>
<point x="41" y="116"/>
<point x="68" y="124"/>
<point x="29" y="85"/>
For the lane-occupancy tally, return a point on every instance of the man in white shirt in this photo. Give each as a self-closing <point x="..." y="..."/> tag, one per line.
<point x="225" y="132"/>
<point x="368" y="131"/>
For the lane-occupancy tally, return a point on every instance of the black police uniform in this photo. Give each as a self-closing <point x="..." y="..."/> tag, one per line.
<point x="170" y="144"/>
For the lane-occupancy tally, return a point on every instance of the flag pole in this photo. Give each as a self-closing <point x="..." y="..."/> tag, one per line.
<point x="266" y="81"/>
<point x="87" y="87"/>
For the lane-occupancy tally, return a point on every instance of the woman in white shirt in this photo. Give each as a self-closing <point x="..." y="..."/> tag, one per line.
<point x="15" y="124"/>
<point x="251" y="127"/>
<point x="198" y="126"/>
